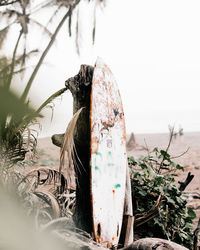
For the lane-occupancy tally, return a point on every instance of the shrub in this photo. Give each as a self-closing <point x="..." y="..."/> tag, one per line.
<point x="159" y="204"/>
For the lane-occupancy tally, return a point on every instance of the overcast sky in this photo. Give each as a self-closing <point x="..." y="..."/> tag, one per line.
<point x="153" y="50"/>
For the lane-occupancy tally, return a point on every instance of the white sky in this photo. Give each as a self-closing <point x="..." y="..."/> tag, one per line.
<point x="153" y="49"/>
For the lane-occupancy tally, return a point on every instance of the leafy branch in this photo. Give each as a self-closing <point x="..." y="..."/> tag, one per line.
<point x="160" y="206"/>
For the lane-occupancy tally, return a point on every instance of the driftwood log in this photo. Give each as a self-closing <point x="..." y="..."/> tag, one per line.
<point x="80" y="87"/>
<point x="187" y="181"/>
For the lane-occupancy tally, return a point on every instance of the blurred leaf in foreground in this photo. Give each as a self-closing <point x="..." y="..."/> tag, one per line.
<point x="10" y="104"/>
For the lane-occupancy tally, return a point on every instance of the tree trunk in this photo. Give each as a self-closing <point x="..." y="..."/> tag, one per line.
<point x="80" y="87"/>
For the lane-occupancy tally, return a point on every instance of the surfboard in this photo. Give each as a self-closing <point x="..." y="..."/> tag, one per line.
<point x="108" y="156"/>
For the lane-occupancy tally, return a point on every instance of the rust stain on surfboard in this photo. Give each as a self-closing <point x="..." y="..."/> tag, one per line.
<point x="108" y="156"/>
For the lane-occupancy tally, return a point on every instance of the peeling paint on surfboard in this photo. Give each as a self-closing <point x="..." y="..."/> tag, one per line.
<point x="108" y="156"/>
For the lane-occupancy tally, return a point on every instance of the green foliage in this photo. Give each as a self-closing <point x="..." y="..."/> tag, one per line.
<point x="159" y="205"/>
<point x="15" y="114"/>
<point x="16" y="117"/>
<point x="15" y="136"/>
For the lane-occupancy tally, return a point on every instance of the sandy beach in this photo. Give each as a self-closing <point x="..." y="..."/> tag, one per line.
<point x="188" y="146"/>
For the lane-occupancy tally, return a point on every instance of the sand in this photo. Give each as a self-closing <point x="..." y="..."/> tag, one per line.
<point x="188" y="145"/>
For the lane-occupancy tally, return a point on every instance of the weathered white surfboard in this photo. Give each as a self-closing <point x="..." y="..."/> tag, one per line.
<point x="108" y="156"/>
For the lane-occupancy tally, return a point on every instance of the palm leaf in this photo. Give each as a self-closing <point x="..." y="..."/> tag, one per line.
<point x="7" y="2"/>
<point x="5" y="62"/>
<point x="3" y="35"/>
<point x="59" y="223"/>
<point x="41" y="26"/>
<point x="50" y="179"/>
<point x="94" y="25"/>
<point x="68" y="234"/>
<point x="70" y="23"/>
<point x="41" y="5"/>
<point x="77" y="34"/>
<point x="14" y="145"/>
<point x="50" y="200"/>
<point x="69" y="147"/>
<point x="34" y="73"/>
<point x="51" y="98"/>
<point x="53" y="16"/>
<point x="12" y="105"/>
<point x="48" y="176"/>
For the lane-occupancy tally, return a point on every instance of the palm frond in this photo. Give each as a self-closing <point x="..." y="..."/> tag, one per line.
<point x="41" y="26"/>
<point x="21" y="71"/>
<point x="50" y="176"/>
<point x="23" y="61"/>
<point x="30" y="141"/>
<point x="50" y="179"/>
<point x="69" y="147"/>
<point x="59" y="223"/>
<point x="25" y="3"/>
<point x="94" y="25"/>
<point x="77" y="34"/>
<point x="5" y="63"/>
<point x="70" y="23"/>
<point x="7" y="2"/>
<point x="10" y="13"/>
<point x="15" y="136"/>
<point x="12" y="105"/>
<point x="67" y="201"/>
<point x="12" y="67"/>
<point x="73" y="237"/>
<point x="3" y="35"/>
<point x="16" y="146"/>
<point x="51" y="98"/>
<point x="34" y="73"/>
<point x="26" y="55"/>
<point x="65" y="3"/>
<point x="53" y="16"/>
<point x="49" y="200"/>
<point x="23" y="21"/>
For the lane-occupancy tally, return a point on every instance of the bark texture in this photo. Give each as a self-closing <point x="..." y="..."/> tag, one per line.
<point x="80" y="87"/>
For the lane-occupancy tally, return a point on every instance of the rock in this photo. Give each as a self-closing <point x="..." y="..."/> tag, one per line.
<point x="131" y="144"/>
<point x="57" y="139"/>
<point x="154" y="244"/>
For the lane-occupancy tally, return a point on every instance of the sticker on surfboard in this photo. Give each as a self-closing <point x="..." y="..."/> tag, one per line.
<point x="108" y="156"/>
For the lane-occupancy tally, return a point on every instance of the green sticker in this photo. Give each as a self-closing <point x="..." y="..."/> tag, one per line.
<point x="117" y="186"/>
